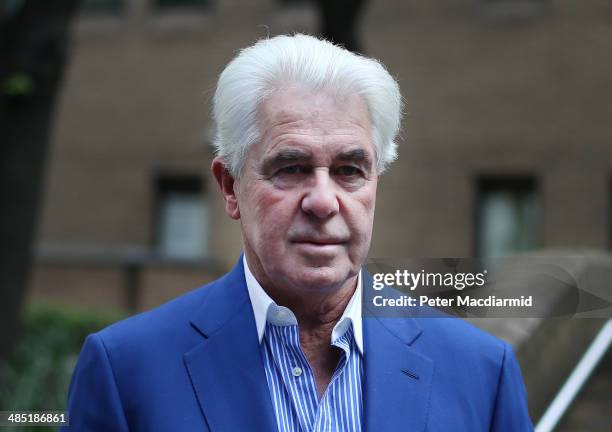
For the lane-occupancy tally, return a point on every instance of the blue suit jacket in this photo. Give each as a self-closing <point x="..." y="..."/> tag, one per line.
<point x="194" y="364"/>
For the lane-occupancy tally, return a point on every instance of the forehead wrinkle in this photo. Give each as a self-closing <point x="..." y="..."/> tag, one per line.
<point x="316" y="120"/>
<point x="319" y="145"/>
<point x="313" y="128"/>
<point x="306" y="128"/>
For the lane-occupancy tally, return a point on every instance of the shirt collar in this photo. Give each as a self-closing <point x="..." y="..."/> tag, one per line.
<point x="266" y="310"/>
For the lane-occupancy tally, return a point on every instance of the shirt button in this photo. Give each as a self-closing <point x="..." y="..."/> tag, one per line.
<point x="297" y="371"/>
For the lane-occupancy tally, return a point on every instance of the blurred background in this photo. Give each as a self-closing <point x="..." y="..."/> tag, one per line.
<point x="109" y="207"/>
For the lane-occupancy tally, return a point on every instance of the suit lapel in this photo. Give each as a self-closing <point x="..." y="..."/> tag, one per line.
<point x="229" y="380"/>
<point x="226" y="369"/>
<point x="397" y="379"/>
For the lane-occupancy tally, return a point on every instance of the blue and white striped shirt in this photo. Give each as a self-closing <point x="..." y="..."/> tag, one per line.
<point x="290" y="378"/>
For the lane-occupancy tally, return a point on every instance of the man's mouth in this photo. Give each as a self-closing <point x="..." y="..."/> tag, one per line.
<point x="317" y="246"/>
<point x="320" y="241"/>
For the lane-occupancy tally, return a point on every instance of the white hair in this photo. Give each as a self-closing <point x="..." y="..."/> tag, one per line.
<point x="309" y="63"/>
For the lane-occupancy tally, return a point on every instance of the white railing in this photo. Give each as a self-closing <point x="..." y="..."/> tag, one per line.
<point x="577" y="379"/>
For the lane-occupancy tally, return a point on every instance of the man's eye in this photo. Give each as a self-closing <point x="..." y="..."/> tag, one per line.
<point x="293" y="169"/>
<point x="348" y="170"/>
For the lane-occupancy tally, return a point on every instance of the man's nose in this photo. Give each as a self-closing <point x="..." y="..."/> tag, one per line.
<point x="321" y="199"/>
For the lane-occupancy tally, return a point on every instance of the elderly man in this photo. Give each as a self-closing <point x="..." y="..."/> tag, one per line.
<point x="279" y="344"/>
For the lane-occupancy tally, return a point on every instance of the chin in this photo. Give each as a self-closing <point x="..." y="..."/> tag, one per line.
<point x="318" y="278"/>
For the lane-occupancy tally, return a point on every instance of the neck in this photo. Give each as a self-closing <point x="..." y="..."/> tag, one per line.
<point x="315" y="311"/>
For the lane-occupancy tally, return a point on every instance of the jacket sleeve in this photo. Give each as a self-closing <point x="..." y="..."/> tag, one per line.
<point x="94" y="403"/>
<point x="511" y="413"/>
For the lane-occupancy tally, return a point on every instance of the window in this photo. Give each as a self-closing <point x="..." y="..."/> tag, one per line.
<point x="182" y="217"/>
<point x="508" y="216"/>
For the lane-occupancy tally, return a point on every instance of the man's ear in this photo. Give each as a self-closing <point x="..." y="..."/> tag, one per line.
<point x="226" y="181"/>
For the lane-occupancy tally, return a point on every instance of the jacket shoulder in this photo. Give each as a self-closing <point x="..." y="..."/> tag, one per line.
<point x="463" y="339"/>
<point x="166" y="323"/>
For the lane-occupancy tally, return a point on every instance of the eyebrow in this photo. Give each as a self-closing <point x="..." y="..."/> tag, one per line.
<point x="290" y="156"/>
<point x="285" y="156"/>
<point x="357" y="155"/>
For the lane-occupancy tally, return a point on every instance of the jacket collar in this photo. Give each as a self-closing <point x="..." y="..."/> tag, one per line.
<point x="226" y="369"/>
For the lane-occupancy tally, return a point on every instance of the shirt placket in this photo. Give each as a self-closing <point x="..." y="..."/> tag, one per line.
<point x="297" y="376"/>
<point x="325" y="413"/>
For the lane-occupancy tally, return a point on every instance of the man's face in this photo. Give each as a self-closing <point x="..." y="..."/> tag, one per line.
<point x="307" y="192"/>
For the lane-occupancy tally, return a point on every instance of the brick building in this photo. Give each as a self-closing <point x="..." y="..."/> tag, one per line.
<point x="506" y="145"/>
